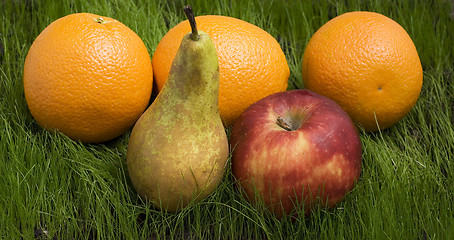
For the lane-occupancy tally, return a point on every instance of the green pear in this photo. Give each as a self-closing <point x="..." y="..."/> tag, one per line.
<point x="178" y="149"/>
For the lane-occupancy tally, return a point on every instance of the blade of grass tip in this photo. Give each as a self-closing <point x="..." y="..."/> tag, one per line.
<point x="257" y="220"/>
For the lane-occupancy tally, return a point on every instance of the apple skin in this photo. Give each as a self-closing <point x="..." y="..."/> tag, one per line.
<point x="318" y="153"/>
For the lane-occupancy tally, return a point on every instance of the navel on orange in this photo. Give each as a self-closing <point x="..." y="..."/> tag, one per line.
<point x="368" y="64"/>
<point x="88" y="76"/>
<point x="252" y="64"/>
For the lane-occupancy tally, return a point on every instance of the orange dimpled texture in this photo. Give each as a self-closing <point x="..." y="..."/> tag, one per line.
<point x="252" y="64"/>
<point x="368" y="64"/>
<point x="87" y="76"/>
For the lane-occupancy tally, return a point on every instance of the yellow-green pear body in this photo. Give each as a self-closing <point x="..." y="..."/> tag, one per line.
<point x="178" y="148"/>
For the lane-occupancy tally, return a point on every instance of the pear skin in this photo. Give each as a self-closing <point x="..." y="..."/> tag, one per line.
<point x="178" y="148"/>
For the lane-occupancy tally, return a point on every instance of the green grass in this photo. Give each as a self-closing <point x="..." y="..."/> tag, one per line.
<point x="51" y="186"/>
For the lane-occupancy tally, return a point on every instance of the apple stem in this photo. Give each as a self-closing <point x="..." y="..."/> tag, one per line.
<point x="190" y="15"/>
<point x="283" y="124"/>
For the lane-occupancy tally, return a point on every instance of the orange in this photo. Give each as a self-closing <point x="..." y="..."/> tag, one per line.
<point x="90" y="77"/>
<point x="252" y="64"/>
<point x="368" y="64"/>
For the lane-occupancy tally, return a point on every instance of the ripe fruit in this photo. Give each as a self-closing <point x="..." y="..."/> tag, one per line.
<point x="295" y="145"/>
<point x="88" y="76"/>
<point x="368" y="64"/>
<point x="251" y="62"/>
<point x="178" y="150"/>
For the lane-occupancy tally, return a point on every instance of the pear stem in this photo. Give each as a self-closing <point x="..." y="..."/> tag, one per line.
<point x="190" y="15"/>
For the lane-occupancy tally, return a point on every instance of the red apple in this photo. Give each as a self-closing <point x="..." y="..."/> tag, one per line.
<point x="295" y="148"/>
